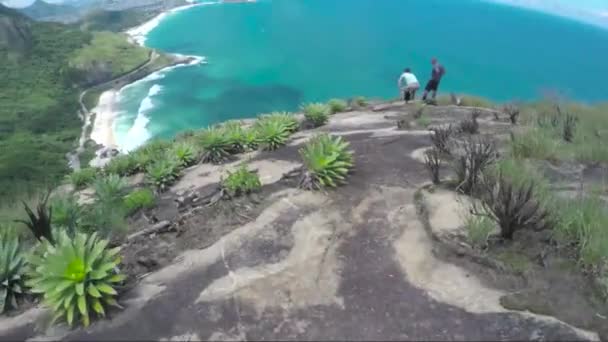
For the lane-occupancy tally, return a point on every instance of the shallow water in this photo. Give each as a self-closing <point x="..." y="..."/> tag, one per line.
<point x="277" y="54"/>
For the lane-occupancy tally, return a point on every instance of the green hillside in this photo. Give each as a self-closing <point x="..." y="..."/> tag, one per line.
<point x="39" y="94"/>
<point x="115" y="21"/>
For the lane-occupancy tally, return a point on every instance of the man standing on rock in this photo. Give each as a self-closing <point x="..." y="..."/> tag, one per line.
<point x="433" y="84"/>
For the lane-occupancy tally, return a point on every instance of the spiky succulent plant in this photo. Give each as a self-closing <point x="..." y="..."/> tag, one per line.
<point x="327" y="160"/>
<point x="12" y="271"/>
<point x="76" y="276"/>
<point x="215" y="145"/>
<point x="272" y="134"/>
<point x="316" y="113"/>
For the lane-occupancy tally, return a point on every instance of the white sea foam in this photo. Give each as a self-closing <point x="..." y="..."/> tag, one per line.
<point x="138" y="134"/>
<point x="139" y="34"/>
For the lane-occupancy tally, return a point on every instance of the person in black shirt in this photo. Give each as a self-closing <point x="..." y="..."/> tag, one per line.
<point x="433" y="84"/>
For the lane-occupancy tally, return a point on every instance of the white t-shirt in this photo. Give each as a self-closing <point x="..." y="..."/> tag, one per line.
<point x="408" y="78"/>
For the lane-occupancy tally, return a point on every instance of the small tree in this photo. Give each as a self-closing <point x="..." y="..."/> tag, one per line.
<point x="512" y="206"/>
<point x="469" y="166"/>
<point x="432" y="161"/>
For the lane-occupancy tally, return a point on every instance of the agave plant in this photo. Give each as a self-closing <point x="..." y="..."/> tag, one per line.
<point x="67" y="213"/>
<point x="12" y="264"/>
<point x="82" y="178"/>
<point x="163" y="173"/>
<point x="215" y="145"/>
<point x="76" y="276"/>
<point x="124" y="165"/>
<point x="184" y="153"/>
<point x="235" y="134"/>
<point x="251" y="139"/>
<point x="327" y="160"/>
<point x="337" y="106"/>
<point x="316" y="113"/>
<point x="240" y="182"/>
<point x="290" y="122"/>
<point x="109" y="189"/>
<point x="272" y="134"/>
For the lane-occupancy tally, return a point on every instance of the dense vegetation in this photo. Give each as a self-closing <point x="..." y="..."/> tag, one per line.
<point x="92" y="58"/>
<point x="39" y="97"/>
<point x="114" y="21"/>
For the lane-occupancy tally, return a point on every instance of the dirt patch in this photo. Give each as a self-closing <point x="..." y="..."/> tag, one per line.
<point x="195" y="228"/>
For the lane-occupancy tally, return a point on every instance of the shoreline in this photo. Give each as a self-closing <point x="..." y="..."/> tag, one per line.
<point x="103" y="126"/>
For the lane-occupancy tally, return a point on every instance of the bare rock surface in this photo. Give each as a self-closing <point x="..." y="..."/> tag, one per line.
<point x="353" y="263"/>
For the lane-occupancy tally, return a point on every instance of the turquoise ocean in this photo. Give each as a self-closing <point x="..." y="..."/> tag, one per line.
<point x="277" y="54"/>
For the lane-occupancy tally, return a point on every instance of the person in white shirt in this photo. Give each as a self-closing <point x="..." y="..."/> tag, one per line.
<point x="408" y="84"/>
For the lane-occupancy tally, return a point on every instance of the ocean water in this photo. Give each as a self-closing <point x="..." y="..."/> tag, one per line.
<point x="277" y="54"/>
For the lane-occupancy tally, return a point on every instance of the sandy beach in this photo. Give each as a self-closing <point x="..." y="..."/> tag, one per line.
<point x="103" y="127"/>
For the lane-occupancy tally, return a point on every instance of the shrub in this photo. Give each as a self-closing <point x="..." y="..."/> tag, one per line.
<point x="76" y="277"/>
<point x="272" y="134"/>
<point x="163" y="173"/>
<point x="288" y="120"/>
<point x="513" y="112"/>
<point x="123" y="165"/>
<point x="317" y="114"/>
<point x="478" y="230"/>
<point x="360" y="101"/>
<point x="441" y="138"/>
<point x="12" y="269"/>
<point x="470" y="126"/>
<point x="251" y="139"/>
<point x="108" y="219"/>
<point x="469" y="166"/>
<point x="235" y="134"/>
<point x="40" y="222"/>
<point x="432" y="161"/>
<point x="216" y="146"/>
<point x="512" y="207"/>
<point x="109" y="189"/>
<point x="569" y="128"/>
<point x="241" y="182"/>
<point x="327" y="161"/>
<point x="337" y="106"/>
<point x="66" y="213"/>
<point x="82" y="178"/>
<point x="184" y="153"/>
<point x="139" y="199"/>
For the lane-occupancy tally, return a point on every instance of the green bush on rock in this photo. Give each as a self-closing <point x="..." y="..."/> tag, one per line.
<point x="76" y="276"/>
<point x="288" y="120"/>
<point x="272" y="134"/>
<point x="216" y="146"/>
<point x="124" y="165"/>
<point x="240" y="182"/>
<point x="184" y="153"/>
<point x="82" y="178"/>
<point x="139" y="199"/>
<point x="337" y="106"/>
<point x="327" y="160"/>
<point x="317" y="114"/>
<point x="12" y="269"/>
<point x="163" y="173"/>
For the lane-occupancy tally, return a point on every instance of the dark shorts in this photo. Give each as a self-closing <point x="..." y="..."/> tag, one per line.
<point x="432" y="85"/>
